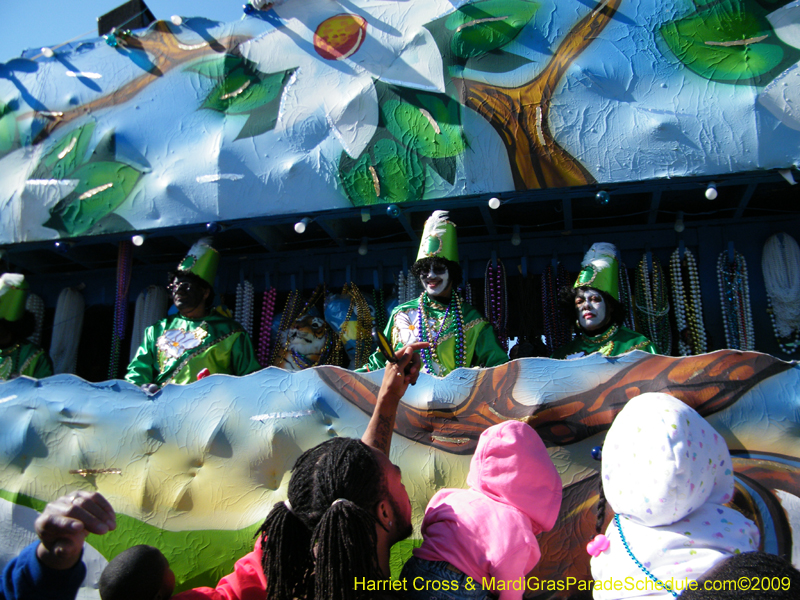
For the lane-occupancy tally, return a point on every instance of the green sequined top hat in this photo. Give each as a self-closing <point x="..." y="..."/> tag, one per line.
<point x="201" y="260"/>
<point x="13" y="293"/>
<point x="600" y="269"/>
<point x="439" y="238"/>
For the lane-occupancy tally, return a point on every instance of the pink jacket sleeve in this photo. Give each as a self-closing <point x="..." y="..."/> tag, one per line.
<point x="247" y="582"/>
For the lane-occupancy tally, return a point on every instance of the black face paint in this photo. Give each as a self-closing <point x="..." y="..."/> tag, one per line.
<point x="187" y="295"/>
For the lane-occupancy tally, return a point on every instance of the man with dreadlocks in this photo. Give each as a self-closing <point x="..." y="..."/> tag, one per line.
<point x="346" y="507"/>
<point x="457" y="333"/>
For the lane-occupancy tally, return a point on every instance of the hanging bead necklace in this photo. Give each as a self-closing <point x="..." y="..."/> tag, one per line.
<point x="124" y="258"/>
<point x="35" y="304"/>
<point x="238" y="308"/>
<point x="780" y="263"/>
<point x="688" y="304"/>
<point x="363" y="323"/>
<point x="626" y="297"/>
<point x="496" y="300"/>
<point x="244" y="306"/>
<point x="401" y="287"/>
<point x="652" y="304"/>
<point x="381" y="318"/>
<point x="287" y="319"/>
<point x="265" y="331"/>
<point x="430" y="356"/>
<point x="734" y="292"/>
<point x="557" y="328"/>
<point x="638" y="563"/>
<point x="407" y="287"/>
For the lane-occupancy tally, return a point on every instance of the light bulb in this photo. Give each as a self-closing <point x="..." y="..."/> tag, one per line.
<point x="138" y="239"/>
<point x="362" y="249"/>
<point x="494" y="203"/>
<point x="515" y="238"/>
<point x="300" y="226"/>
<point x="711" y="191"/>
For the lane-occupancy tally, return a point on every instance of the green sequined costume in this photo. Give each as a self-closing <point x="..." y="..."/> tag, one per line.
<point x="481" y="347"/>
<point x="24" y="359"/>
<point x="613" y="341"/>
<point x="176" y="349"/>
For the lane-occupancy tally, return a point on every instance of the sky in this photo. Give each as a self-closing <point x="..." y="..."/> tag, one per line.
<point x="37" y="23"/>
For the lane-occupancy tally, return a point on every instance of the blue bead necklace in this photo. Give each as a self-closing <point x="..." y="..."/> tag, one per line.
<point x="636" y="560"/>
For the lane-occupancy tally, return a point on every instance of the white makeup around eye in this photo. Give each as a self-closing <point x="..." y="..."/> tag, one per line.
<point x="591" y="309"/>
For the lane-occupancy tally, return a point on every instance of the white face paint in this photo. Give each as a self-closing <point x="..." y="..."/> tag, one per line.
<point x="591" y="308"/>
<point x="436" y="282"/>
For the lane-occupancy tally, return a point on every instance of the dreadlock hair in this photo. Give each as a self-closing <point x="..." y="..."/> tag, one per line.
<point x="325" y="536"/>
<point x="423" y="265"/>
<point x="195" y="280"/>
<point x="566" y="302"/>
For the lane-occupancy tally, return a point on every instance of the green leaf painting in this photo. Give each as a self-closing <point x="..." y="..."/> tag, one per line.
<point x="62" y="159"/>
<point x="102" y="187"/>
<point x="103" y="181"/>
<point x="419" y="133"/>
<point x="386" y="173"/>
<point x="430" y="127"/>
<point x="241" y="89"/>
<point x="480" y="30"/>
<point x="485" y="26"/>
<point x="730" y="41"/>
<point x="498" y="61"/>
<point x="8" y="128"/>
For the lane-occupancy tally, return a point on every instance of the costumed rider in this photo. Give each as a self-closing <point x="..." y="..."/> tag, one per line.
<point x="180" y="348"/>
<point x="18" y="356"/>
<point x="594" y="300"/>
<point x="458" y="335"/>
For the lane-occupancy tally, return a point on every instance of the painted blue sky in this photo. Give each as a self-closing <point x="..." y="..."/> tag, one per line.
<point x="36" y="23"/>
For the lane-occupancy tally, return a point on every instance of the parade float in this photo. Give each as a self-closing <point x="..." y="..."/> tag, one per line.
<point x="312" y="139"/>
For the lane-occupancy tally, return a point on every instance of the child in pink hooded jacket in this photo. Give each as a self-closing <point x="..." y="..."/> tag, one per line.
<point x="486" y="534"/>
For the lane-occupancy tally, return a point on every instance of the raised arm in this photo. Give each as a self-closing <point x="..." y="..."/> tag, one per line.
<point x="65" y="523"/>
<point x="396" y="379"/>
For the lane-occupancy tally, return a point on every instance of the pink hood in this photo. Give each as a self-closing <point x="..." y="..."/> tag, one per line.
<point x="511" y="465"/>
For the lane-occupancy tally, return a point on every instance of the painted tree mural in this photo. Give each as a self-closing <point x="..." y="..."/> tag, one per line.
<point x="373" y="105"/>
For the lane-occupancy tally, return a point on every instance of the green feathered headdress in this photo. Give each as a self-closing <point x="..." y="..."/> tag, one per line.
<point x="600" y="269"/>
<point x="439" y="238"/>
<point x="201" y="260"/>
<point x="13" y="293"/>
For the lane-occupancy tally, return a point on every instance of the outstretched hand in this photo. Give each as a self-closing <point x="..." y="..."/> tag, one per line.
<point x="65" y="523"/>
<point x="398" y="376"/>
<point x="396" y="379"/>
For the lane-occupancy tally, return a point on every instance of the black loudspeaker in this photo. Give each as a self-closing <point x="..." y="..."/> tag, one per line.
<point x="131" y="15"/>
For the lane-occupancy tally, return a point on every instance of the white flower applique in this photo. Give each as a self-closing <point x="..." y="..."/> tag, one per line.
<point x="405" y="327"/>
<point x="174" y="342"/>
